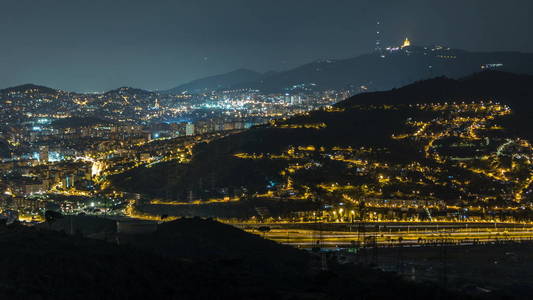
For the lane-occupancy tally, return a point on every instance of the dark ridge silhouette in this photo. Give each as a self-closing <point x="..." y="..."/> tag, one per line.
<point x="217" y="82"/>
<point x="27" y="87"/>
<point x="196" y="238"/>
<point x="128" y="91"/>
<point x="508" y="88"/>
<point x="394" y="70"/>
<point x="42" y="264"/>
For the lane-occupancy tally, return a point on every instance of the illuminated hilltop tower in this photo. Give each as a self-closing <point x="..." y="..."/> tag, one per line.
<point x="406" y="43"/>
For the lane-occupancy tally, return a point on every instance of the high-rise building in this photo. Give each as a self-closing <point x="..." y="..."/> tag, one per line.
<point x="189" y="129"/>
<point x="68" y="181"/>
<point x="43" y="154"/>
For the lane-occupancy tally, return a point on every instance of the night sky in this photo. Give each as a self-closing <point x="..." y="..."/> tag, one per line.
<point x="97" y="45"/>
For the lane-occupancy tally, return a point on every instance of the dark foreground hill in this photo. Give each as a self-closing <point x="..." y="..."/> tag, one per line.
<point x="187" y="237"/>
<point x="40" y="264"/>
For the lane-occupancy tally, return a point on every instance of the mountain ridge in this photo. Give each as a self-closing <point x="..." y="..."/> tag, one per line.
<point x="27" y="87"/>
<point x="216" y="82"/>
<point x="478" y="85"/>
<point x="375" y="71"/>
<point x="129" y="90"/>
<point x="382" y="71"/>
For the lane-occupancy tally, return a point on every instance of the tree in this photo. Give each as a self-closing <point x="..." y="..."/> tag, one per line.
<point x="51" y="216"/>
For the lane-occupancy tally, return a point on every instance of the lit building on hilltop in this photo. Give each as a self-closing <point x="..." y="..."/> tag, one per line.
<point x="406" y="43"/>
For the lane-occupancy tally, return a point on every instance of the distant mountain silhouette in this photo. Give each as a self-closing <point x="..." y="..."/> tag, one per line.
<point x="509" y="88"/>
<point x="394" y="69"/>
<point x="128" y="91"/>
<point x="222" y="81"/>
<point x="377" y="71"/>
<point x="38" y="89"/>
<point x="29" y="87"/>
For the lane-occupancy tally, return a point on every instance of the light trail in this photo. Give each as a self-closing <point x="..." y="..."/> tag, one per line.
<point x="307" y="238"/>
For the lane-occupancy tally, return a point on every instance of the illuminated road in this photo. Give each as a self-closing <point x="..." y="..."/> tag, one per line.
<point x="399" y="234"/>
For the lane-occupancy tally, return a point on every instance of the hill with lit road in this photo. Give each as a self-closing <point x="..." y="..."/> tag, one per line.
<point x="435" y="150"/>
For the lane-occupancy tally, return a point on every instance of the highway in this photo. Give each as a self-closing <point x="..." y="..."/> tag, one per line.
<point x="393" y="235"/>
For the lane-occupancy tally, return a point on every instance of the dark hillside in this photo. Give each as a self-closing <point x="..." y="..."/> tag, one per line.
<point x="26" y="88"/>
<point x="216" y="82"/>
<point x="198" y="239"/>
<point x="512" y="89"/>
<point x="49" y="265"/>
<point x="394" y="70"/>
